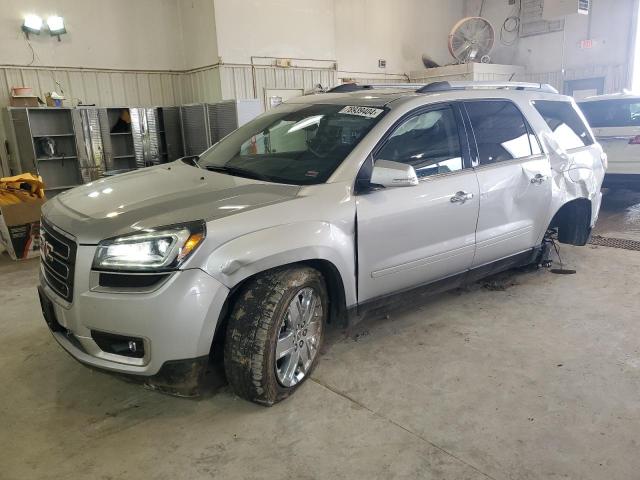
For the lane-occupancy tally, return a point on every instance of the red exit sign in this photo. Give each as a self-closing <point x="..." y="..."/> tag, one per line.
<point x="586" y="44"/>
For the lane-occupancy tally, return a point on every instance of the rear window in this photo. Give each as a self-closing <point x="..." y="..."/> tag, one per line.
<point x="612" y="113"/>
<point x="568" y="128"/>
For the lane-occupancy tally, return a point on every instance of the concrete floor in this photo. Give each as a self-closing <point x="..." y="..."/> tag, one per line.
<point x="534" y="375"/>
<point x="620" y="215"/>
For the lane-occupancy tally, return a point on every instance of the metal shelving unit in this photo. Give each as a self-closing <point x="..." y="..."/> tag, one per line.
<point x="121" y="139"/>
<point x="204" y="124"/>
<point x="231" y="114"/>
<point x="47" y="145"/>
<point x="72" y="146"/>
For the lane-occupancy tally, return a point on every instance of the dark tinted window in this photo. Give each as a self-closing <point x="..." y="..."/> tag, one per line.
<point x="568" y="128"/>
<point x="296" y="144"/>
<point x="612" y="113"/>
<point x="500" y="130"/>
<point x="428" y="141"/>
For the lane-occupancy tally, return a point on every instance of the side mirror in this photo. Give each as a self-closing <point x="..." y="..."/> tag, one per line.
<point x="393" y="174"/>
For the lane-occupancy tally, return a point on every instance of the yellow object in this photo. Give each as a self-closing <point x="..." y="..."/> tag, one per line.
<point x="193" y="241"/>
<point x="12" y="189"/>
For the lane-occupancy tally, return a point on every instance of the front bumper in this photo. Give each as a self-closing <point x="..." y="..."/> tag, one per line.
<point x="176" y="322"/>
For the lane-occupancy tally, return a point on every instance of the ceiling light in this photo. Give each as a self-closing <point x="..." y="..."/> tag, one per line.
<point x="56" y="25"/>
<point x="32" y="24"/>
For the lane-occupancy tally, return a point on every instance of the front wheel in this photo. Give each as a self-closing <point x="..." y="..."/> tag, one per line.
<point x="275" y="332"/>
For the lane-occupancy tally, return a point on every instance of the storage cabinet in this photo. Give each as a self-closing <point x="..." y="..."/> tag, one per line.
<point x="72" y="146"/>
<point x="139" y="137"/>
<point x="46" y="144"/>
<point x="196" y="128"/>
<point x="89" y="140"/>
<point x="168" y="133"/>
<point x="231" y="114"/>
<point x="120" y="131"/>
<point x="204" y="124"/>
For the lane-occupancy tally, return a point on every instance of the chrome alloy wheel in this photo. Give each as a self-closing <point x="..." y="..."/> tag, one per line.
<point x="299" y="337"/>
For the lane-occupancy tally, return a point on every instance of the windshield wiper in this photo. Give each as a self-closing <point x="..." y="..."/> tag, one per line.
<point x="238" y="172"/>
<point x="191" y="160"/>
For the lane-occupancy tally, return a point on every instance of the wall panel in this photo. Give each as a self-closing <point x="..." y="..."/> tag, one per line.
<point x="616" y="77"/>
<point x="244" y="81"/>
<point x="102" y="87"/>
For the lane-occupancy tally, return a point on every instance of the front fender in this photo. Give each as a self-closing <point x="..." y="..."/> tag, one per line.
<point x="255" y="252"/>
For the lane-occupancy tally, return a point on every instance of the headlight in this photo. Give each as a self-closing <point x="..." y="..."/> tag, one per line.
<point x="163" y="248"/>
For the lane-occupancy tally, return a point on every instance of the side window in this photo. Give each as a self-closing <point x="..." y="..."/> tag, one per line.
<point x="568" y="128"/>
<point x="428" y="141"/>
<point x="612" y="113"/>
<point x="500" y="130"/>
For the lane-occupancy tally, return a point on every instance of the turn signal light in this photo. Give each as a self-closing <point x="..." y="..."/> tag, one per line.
<point x="190" y="245"/>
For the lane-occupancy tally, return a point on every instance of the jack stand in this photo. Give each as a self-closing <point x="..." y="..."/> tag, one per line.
<point x="545" y="254"/>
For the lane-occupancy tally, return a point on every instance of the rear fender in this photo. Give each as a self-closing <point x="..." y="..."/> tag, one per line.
<point x="262" y="250"/>
<point x="576" y="175"/>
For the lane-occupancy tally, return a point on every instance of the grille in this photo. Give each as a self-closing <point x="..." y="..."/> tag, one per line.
<point x="58" y="259"/>
<point x="615" y="243"/>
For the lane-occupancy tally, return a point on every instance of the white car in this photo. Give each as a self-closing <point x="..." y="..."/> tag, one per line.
<point x="615" y="120"/>
<point x="314" y="212"/>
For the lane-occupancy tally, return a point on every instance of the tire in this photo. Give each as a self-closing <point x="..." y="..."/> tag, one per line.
<point x="265" y="317"/>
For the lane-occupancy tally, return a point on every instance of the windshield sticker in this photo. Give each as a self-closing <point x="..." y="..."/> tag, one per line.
<point x="367" y="112"/>
<point x="311" y="173"/>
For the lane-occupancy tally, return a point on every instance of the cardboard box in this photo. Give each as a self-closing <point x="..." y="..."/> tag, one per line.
<point x="23" y="101"/>
<point x="20" y="229"/>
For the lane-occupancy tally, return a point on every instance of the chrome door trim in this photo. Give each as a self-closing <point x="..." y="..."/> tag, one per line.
<point x="514" y="161"/>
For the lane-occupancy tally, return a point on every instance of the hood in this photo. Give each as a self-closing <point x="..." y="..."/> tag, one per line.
<point x="157" y="196"/>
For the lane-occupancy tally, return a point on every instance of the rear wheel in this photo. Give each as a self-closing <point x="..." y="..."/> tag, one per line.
<point x="275" y="332"/>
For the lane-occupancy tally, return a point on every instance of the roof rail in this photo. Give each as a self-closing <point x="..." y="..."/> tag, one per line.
<point x="357" y="87"/>
<point x="448" y="86"/>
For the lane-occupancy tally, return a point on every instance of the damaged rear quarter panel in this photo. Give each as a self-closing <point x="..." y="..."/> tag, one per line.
<point x="576" y="173"/>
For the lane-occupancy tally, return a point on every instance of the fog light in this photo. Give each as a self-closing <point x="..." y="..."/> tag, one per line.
<point x="132" y="347"/>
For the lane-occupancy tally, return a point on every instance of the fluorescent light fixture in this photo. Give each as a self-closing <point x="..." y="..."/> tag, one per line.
<point x="32" y="24"/>
<point x="56" y="25"/>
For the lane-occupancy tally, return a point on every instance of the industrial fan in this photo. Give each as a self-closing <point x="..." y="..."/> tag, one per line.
<point x="471" y="40"/>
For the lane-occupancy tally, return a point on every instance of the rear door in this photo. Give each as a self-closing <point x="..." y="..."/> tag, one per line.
<point x="408" y="236"/>
<point x="616" y="125"/>
<point x="514" y="177"/>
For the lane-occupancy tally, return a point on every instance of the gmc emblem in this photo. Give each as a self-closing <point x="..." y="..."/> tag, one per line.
<point x="47" y="251"/>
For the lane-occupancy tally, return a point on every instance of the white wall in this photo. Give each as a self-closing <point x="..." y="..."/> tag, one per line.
<point x="609" y="25"/>
<point x="118" y="34"/>
<point x="356" y="33"/>
<point x="399" y="31"/>
<point x="275" y="28"/>
<point x="199" y="39"/>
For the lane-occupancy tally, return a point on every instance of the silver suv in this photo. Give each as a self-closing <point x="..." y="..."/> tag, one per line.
<point x="314" y="212"/>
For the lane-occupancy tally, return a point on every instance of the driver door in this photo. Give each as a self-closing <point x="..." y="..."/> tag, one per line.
<point x="408" y="236"/>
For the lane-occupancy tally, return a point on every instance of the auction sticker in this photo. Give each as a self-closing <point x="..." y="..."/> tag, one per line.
<point x="368" y="112"/>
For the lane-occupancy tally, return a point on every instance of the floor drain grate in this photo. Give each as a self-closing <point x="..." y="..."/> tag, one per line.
<point x="615" y="243"/>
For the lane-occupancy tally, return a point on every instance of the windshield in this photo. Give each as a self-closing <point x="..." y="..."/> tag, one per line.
<point x="294" y="144"/>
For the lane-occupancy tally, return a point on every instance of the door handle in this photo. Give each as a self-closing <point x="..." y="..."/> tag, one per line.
<point x="461" y="197"/>
<point x="538" y="179"/>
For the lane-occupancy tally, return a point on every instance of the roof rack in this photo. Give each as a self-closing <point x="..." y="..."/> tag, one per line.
<point x="448" y="86"/>
<point x="436" y="87"/>
<point x="357" y="87"/>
